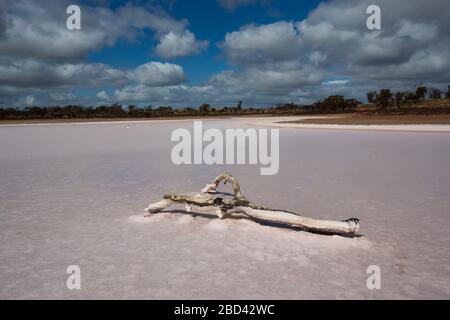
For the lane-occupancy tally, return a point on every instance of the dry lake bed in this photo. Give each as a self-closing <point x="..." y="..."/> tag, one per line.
<point x="74" y="194"/>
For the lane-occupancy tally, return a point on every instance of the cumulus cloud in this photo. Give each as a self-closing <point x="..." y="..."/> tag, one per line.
<point x="273" y="64"/>
<point x="38" y="53"/>
<point x="337" y="29"/>
<point x="36" y="30"/>
<point x="258" y="86"/>
<point x="34" y="74"/>
<point x="102" y="95"/>
<point x="333" y="42"/>
<point x="159" y="74"/>
<point x="259" y="43"/>
<point x="173" y="45"/>
<point x="274" y="77"/>
<point x="29" y="100"/>
<point x="336" y="82"/>
<point x="329" y="52"/>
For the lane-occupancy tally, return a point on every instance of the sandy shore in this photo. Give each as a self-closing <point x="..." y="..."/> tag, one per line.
<point x="286" y="122"/>
<point x="387" y="119"/>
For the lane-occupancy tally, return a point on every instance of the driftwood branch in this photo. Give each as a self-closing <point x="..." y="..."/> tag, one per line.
<point x="224" y="207"/>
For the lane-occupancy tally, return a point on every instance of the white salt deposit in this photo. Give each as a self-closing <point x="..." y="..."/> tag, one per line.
<point x="283" y="122"/>
<point x="74" y="195"/>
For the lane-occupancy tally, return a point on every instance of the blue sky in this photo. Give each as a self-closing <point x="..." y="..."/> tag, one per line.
<point x="208" y="20"/>
<point x="186" y="53"/>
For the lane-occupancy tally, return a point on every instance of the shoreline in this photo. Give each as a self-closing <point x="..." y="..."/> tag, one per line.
<point x="39" y="122"/>
<point x="290" y="122"/>
<point x="25" y="122"/>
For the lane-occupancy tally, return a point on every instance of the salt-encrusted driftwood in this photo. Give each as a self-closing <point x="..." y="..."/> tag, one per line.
<point x="239" y="205"/>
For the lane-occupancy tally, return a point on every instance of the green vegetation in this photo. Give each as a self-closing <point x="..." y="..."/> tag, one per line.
<point x="387" y="102"/>
<point x="384" y="101"/>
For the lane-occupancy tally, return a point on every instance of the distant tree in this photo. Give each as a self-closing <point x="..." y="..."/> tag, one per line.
<point x="333" y="104"/>
<point x="448" y="92"/>
<point x="371" y="96"/>
<point x="189" y="110"/>
<point x="435" y="93"/>
<point x="399" y="98"/>
<point x="421" y="91"/>
<point x="286" y="106"/>
<point x="204" y="108"/>
<point x="239" y="105"/>
<point x="351" y="104"/>
<point x="132" y="110"/>
<point x="384" y="99"/>
<point x="411" y="98"/>
<point x="148" y="111"/>
<point x="163" y="111"/>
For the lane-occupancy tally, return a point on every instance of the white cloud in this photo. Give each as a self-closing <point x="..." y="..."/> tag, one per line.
<point x="252" y="85"/>
<point x="158" y="74"/>
<point x="276" y="62"/>
<point x="29" y="100"/>
<point x="333" y="41"/>
<point x="36" y="30"/>
<point x="337" y="29"/>
<point x="259" y="43"/>
<point x="173" y="45"/>
<point x="102" y="95"/>
<point x="277" y="77"/>
<point x="336" y="82"/>
<point x="34" y="74"/>
<point x="40" y="56"/>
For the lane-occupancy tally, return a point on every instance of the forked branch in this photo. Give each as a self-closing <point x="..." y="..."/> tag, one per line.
<point x="240" y="205"/>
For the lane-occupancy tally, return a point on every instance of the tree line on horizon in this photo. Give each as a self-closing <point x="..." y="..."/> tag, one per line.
<point x="384" y="100"/>
<point x="332" y="104"/>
